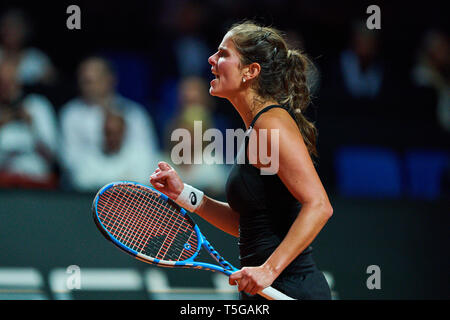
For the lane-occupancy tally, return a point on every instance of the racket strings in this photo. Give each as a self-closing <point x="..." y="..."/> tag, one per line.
<point x="157" y="241"/>
<point x="130" y="230"/>
<point x="146" y="223"/>
<point x="119" y="222"/>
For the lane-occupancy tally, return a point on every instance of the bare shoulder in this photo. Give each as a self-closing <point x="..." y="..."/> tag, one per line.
<point x="278" y="118"/>
<point x="277" y="132"/>
<point x="289" y="156"/>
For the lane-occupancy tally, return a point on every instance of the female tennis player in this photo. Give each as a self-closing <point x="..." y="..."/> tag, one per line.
<point x="276" y="217"/>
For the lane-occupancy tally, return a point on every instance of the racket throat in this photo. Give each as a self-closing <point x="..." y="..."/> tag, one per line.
<point x="217" y="257"/>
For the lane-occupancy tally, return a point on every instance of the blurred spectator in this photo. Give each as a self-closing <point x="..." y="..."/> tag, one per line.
<point x="195" y="104"/>
<point x="361" y="72"/>
<point x="352" y="100"/>
<point x="33" y="66"/>
<point x="432" y="70"/>
<point x="357" y="79"/>
<point x="28" y="134"/>
<point x="185" y="19"/>
<point x="105" y="136"/>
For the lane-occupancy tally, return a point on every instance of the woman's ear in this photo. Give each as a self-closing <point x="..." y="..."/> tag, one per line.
<point x="251" y="71"/>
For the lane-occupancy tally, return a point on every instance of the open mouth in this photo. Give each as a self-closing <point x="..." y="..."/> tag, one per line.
<point x="215" y="75"/>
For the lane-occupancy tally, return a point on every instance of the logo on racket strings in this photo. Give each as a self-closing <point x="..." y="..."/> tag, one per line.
<point x="193" y="198"/>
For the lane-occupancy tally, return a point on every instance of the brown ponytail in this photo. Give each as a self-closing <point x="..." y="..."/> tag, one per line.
<point x="284" y="71"/>
<point x="298" y="96"/>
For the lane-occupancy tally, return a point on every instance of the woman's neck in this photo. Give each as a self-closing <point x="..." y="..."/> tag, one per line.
<point x="248" y="106"/>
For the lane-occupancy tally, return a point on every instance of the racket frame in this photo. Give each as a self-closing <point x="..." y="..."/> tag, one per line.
<point x="225" y="267"/>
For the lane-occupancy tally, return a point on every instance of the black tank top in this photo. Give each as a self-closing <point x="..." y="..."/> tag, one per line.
<point x="267" y="210"/>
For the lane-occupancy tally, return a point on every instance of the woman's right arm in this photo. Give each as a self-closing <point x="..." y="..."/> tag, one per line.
<point x="220" y="215"/>
<point x="166" y="180"/>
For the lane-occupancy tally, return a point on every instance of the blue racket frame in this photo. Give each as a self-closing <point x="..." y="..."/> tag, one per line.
<point x="225" y="267"/>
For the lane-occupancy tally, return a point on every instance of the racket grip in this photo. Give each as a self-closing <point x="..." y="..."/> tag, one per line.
<point x="273" y="294"/>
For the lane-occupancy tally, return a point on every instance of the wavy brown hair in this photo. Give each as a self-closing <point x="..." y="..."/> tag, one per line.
<point x="283" y="75"/>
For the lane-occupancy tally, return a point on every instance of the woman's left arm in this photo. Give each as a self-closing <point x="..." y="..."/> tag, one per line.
<point x="296" y="170"/>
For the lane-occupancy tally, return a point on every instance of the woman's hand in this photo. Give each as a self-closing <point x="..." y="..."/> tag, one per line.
<point x="253" y="279"/>
<point x="166" y="180"/>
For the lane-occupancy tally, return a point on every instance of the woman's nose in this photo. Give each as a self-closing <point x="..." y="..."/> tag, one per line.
<point x="211" y="60"/>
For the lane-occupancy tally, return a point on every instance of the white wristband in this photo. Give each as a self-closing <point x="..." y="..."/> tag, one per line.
<point x="190" y="198"/>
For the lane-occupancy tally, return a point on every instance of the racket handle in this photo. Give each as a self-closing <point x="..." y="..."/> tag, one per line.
<point x="273" y="294"/>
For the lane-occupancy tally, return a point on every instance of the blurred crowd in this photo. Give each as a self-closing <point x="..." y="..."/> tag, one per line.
<point x="103" y="129"/>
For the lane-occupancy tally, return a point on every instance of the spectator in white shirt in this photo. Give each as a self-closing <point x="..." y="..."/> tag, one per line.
<point x="105" y="136"/>
<point x="28" y="134"/>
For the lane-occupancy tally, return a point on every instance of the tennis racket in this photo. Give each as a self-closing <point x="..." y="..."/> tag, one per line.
<point x="148" y="225"/>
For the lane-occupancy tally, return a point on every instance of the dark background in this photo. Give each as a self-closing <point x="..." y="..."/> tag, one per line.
<point x="404" y="232"/>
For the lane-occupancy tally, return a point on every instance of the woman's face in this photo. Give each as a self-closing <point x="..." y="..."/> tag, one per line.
<point x="225" y="65"/>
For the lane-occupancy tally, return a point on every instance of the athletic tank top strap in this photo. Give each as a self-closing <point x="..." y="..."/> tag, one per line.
<point x="267" y="109"/>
